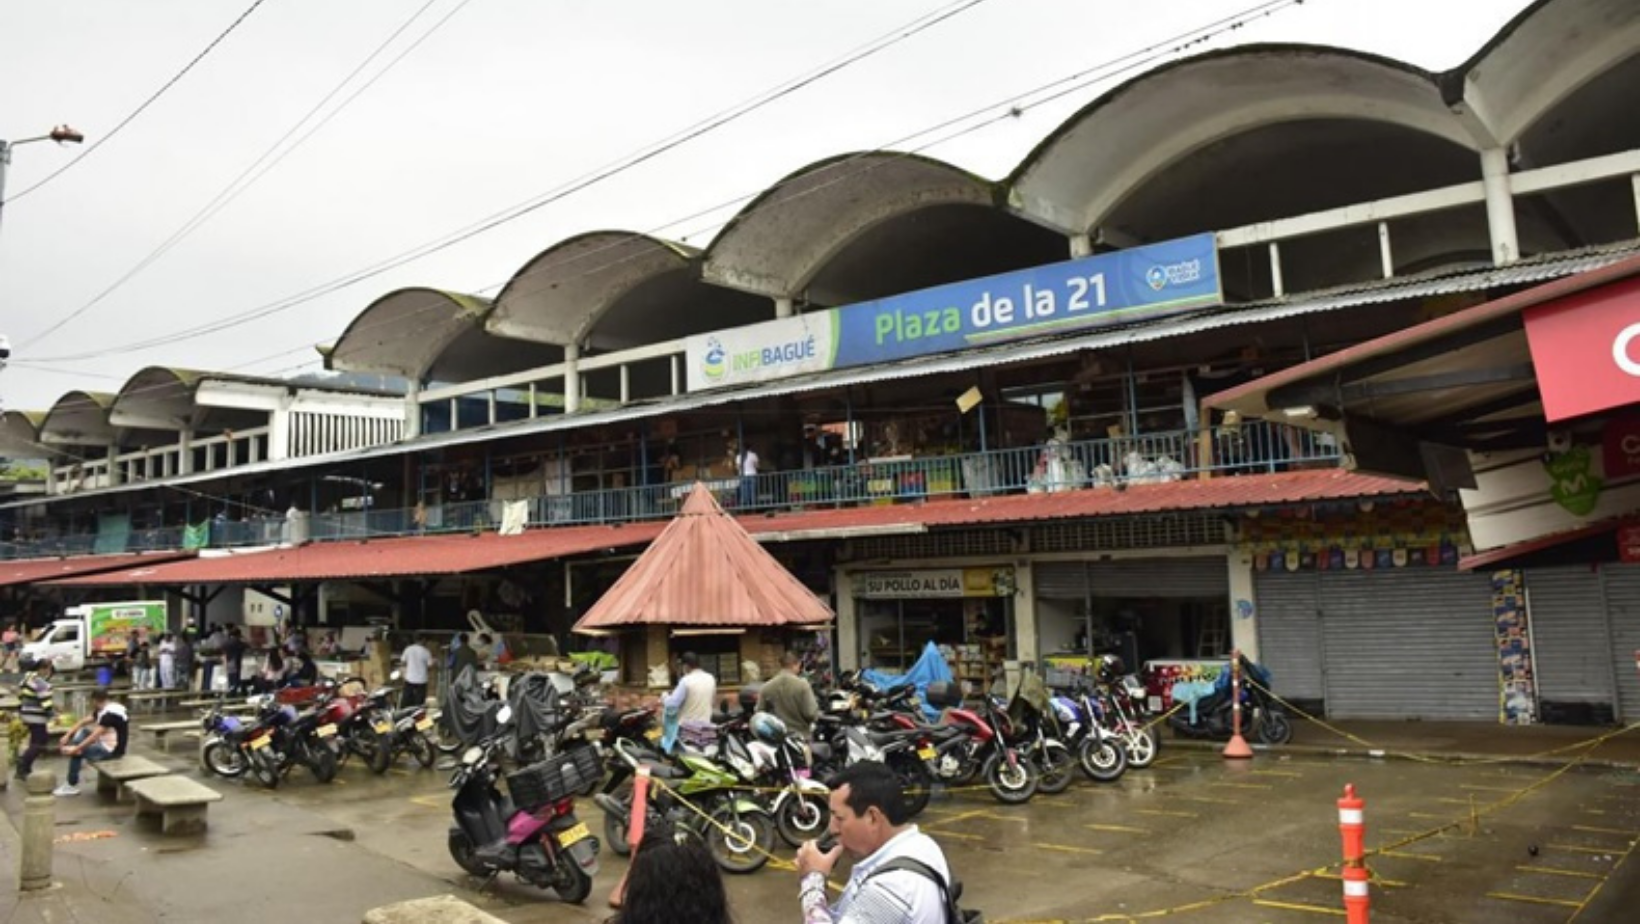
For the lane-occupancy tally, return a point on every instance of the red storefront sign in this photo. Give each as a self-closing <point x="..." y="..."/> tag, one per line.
<point x="1620" y="445"/>
<point x="1628" y="549"/>
<point x="1586" y="350"/>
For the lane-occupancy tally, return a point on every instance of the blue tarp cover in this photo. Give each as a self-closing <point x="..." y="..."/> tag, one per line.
<point x="930" y="668"/>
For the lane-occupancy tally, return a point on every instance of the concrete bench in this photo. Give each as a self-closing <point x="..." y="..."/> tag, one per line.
<point x="440" y="909"/>
<point x="113" y="775"/>
<point x="160" y="730"/>
<point x="179" y="801"/>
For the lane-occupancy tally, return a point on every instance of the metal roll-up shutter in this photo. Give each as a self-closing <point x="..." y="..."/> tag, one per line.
<point x="1622" y="587"/>
<point x="1409" y="644"/>
<point x="1289" y="632"/>
<point x="1060" y="580"/>
<point x="1571" y="652"/>
<point x="1204" y="576"/>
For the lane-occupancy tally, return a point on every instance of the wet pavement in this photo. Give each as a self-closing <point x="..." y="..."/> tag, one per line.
<point x="1194" y="837"/>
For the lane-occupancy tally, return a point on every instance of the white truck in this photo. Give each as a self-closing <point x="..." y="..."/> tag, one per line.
<point x="97" y="632"/>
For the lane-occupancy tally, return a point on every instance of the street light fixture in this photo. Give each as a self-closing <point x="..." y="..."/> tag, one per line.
<point x="62" y="134"/>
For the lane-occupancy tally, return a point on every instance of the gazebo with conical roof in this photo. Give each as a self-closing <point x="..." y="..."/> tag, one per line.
<point x="702" y="576"/>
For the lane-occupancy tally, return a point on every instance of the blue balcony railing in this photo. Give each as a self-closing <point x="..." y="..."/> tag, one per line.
<point x="1251" y="448"/>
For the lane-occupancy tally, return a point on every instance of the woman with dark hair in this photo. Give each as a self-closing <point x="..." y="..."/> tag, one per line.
<point x="673" y="881"/>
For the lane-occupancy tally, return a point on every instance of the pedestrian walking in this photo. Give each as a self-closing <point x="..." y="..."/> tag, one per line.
<point x="36" y="711"/>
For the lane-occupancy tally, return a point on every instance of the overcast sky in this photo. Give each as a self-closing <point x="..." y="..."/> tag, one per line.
<point x="501" y="103"/>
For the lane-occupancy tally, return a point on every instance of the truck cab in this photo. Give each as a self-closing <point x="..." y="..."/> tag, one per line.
<point x="62" y="642"/>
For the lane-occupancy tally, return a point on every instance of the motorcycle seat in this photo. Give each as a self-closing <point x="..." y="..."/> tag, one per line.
<point x="665" y="771"/>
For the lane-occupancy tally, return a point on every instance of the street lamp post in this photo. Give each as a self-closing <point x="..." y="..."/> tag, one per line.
<point x="62" y="134"/>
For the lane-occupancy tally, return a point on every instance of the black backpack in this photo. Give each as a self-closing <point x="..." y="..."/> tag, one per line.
<point x="953" y="913"/>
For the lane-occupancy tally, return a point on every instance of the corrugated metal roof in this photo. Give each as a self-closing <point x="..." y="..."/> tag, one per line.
<point x="378" y="558"/>
<point x="406" y="557"/>
<point x="32" y="570"/>
<point x="705" y="570"/>
<point x="1548" y="267"/>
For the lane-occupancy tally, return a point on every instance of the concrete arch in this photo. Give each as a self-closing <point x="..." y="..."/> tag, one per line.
<point x="781" y="239"/>
<point x="1542" y="57"/>
<point x="404" y="332"/>
<point x="80" y="418"/>
<point x="158" y="398"/>
<point x="1124" y="139"/>
<point x="20" y="435"/>
<point x="614" y="290"/>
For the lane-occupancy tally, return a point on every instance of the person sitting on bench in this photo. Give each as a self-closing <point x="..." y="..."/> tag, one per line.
<point x="99" y="736"/>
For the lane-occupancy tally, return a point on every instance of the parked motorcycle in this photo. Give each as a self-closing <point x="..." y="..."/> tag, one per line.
<point x="224" y="751"/>
<point x="1099" y="749"/>
<point x="1263" y="719"/>
<point x="283" y="738"/>
<point x="531" y="832"/>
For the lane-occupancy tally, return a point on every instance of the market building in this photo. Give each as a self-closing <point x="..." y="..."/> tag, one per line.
<point x="983" y="412"/>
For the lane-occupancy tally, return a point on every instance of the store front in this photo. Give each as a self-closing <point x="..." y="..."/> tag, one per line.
<point x="1585" y="632"/>
<point x="968" y="612"/>
<point x="1144" y="610"/>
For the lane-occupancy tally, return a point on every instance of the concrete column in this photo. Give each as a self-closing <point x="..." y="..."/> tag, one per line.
<point x="39" y="829"/>
<point x="1081" y="245"/>
<point x="412" y="409"/>
<point x="784" y="307"/>
<point x="113" y="466"/>
<point x="848" y="624"/>
<point x="572" y="378"/>
<point x="279" y="430"/>
<point x="1243" y="605"/>
<point x="1500" y="205"/>
<point x="1025" y="639"/>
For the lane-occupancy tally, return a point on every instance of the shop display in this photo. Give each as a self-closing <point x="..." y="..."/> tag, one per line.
<point x="1517" y="687"/>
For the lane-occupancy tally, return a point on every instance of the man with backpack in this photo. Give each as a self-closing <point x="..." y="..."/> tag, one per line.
<point x="900" y="875"/>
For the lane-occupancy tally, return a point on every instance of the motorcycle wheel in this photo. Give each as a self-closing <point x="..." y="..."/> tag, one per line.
<point x="1102" y="760"/>
<point x="462" y="850"/>
<point x="223" y="759"/>
<point x="1058" y="768"/>
<point x="615" y="828"/>
<point x="1275" y="729"/>
<point x="802" y="818"/>
<point x="918" y="783"/>
<point x="571" y="883"/>
<point x="322" y="761"/>
<point x="446" y="742"/>
<point x="1010" y="785"/>
<point x="380" y="749"/>
<point x="422" y="750"/>
<point x="740" y="842"/>
<point x="264" y="769"/>
<point x="1142" y="748"/>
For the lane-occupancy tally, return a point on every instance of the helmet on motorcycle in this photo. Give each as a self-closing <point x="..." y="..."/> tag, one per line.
<point x="1108" y="668"/>
<point x="768" y="728"/>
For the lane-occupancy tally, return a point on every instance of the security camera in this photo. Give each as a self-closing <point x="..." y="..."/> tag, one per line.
<point x="1559" y="441"/>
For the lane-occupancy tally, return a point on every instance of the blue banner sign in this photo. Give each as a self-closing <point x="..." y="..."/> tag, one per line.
<point x="1141" y="283"/>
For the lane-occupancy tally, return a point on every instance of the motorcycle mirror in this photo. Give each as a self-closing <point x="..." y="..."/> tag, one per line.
<point x="395" y="676"/>
<point x="472" y="756"/>
<point x="504" y="715"/>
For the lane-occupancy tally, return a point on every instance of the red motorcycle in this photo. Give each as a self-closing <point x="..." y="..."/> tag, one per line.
<point x="964" y="744"/>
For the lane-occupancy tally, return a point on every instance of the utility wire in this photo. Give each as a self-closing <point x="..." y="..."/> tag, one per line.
<point x="239" y="184"/>
<point x="535" y="203"/>
<point x="109" y="136"/>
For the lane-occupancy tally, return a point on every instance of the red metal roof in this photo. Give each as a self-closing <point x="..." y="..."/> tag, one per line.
<point x="405" y="557"/>
<point x="381" y="558"/>
<point x="30" y="570"/>
<point x="705" y="570"/>
<point x="1537" y="544"/>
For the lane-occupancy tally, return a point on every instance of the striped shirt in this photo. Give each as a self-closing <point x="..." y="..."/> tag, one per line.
<point x="895" y="897"/>
<point x="34" y="697"/>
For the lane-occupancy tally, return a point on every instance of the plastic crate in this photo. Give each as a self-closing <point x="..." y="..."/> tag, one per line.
<point x="559" y="776"/>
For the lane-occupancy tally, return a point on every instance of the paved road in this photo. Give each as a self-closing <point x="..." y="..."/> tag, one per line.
<point x="1256" y="843"/>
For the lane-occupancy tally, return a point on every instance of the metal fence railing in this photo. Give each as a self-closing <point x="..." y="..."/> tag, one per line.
<point x="1055" y="466"/>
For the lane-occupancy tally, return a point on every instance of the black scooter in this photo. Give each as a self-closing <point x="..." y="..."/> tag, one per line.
<point x="537" y="838"/>
<point x="1262" y="718"/>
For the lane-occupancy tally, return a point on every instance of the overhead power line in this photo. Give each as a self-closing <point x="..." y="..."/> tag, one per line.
<point x="109" y="135"/>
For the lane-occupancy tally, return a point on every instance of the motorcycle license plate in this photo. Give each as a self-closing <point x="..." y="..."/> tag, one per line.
<point x="383" y="728"/>
<point x="577" y="833"/>
<point x="926" y="753"/>
<point x="258" y="744"/>
<point x="326" y="730"/>
<point x="423" y="724"/>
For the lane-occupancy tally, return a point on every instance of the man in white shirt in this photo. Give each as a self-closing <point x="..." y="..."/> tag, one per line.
<point x="868" y="819"/>
<point x="416" y="660"/>
<point x="747" y="462"/>
<point x="696" y="689"/>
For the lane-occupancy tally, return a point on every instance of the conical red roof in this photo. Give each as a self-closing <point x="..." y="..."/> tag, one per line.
<point x="704" y="570"/>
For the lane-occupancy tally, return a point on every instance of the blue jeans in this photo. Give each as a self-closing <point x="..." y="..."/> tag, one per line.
<point x="92" y="753"/>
